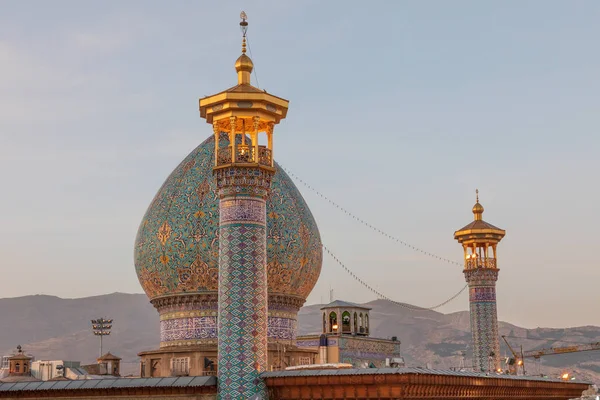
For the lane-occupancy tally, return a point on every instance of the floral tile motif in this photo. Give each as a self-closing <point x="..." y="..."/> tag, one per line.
<point x="177" y="245"/>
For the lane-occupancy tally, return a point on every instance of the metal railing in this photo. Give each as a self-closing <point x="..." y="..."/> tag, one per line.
<point x="245" y="154"/>
<point x="264" y="156"/>
<point x="485" y="262"/>
<point x="224" y="156"/>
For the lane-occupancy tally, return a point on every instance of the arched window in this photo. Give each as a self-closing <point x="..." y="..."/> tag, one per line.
<point x="333" y="322"/>
<point x="346" y="326"/>
<point x="355" y="322"/>
<point x="367" y="323"/>
<point x="324" y="323"/>
<point x="17" y="367"/>
<point x="360" y="323"/>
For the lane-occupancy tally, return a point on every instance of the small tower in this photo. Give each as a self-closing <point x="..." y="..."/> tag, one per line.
<point x="479" y="240"/>
<point x="112" y="363"/>
<point x="243" y="170"/>
<point x="19" y="367"/>
<point x="345" y="318"/>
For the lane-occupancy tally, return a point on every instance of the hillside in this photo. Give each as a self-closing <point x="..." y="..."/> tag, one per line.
<point x="53" y="328"/>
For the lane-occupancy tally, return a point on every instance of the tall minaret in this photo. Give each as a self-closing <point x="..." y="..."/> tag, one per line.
<point x="243" y="171"/>
<point x="479" y="240"/>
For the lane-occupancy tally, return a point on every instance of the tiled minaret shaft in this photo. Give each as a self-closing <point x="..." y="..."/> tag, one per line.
<point x="484" y="318"/>
<point x="242" y="337"/>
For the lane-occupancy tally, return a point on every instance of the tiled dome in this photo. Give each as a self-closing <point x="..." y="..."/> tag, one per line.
<point x="177" y="244"/>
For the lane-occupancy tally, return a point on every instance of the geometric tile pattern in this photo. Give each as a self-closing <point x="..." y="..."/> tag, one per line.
<point x="282" y="328"/>
<point x="315" y="343"/>
<point x="242" y="336"/>
<point x="484" y="318"/>
<point x="188" y="328"/>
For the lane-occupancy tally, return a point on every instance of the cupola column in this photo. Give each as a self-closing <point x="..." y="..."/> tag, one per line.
<point x="232" y="123"/>
<point x="256" y="120"/>
<point x="216" y="132"/>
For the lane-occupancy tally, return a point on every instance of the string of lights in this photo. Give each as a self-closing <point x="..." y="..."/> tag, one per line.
<point x="368" y="225"/>
<point x="381" y="295"/>
<point x="251" y="56"/>
<point x="545" y="339"/>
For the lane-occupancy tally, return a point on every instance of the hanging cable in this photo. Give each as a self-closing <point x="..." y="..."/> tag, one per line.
<point x="252" y="57"/>
<point x="365" y="223"/>
<point x="381" y="295"/>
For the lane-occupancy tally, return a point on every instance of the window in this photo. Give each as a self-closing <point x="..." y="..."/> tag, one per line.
<point x="324" y="323"/>
<point x="333" y="324"/>
<point x="346" y="326"/>
<point x="304" y="361"/>
<point x="17" y="367"/>
<point x="355" y="323"/>
<point x="367" y="323"/>
<point x="155" y="367"/>
<point x="180" y="366"/>
<point x="360" y="323"/>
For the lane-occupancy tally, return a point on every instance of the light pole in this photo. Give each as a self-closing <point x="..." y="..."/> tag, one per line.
<point x="101" y="327"/>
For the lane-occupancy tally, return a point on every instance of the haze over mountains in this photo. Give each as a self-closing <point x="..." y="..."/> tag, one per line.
<point x="49" y="327"/>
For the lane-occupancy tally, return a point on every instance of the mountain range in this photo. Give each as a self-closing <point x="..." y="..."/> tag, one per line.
<point x="50" y="327"/>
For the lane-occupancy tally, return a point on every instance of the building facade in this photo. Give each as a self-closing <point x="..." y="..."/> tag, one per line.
<point x="345" y="338"/>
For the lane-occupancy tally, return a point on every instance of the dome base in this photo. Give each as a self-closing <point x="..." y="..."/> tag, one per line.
<point x="191" y="319"/>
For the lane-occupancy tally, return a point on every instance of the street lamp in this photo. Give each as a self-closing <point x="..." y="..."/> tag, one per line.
<point x="101" y="327"/>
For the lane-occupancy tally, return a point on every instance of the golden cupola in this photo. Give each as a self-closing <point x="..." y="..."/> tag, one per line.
<point x="479" y="240"/>
<point x="243" y="112"/>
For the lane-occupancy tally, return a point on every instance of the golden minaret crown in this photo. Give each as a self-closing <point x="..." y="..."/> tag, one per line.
<point x="243" y="112"/>
<point x="479" y="240"/>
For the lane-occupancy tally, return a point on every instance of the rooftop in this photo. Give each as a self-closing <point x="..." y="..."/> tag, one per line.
<point x="404" y="371"/>
<point x="344" y="304"/>
<point x="184" y="381"/>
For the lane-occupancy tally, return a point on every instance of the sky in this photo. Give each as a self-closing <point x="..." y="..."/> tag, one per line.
<point x="398" y="112"/>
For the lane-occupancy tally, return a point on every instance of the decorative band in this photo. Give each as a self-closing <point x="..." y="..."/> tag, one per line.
<point x="282" y="328"/>
<point x="188" y="314"/>
<point x="201" y="328"/>
<point x="209" y="342"/>
<point x="188" y="328"/>
<point x="213" y="313"/>
<point x="482" y="294"/>
<point x="242" y="210"/>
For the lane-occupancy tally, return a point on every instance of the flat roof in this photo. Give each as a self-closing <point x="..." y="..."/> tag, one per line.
<point x="406" y="371"/>
<point x="183" y="381"/>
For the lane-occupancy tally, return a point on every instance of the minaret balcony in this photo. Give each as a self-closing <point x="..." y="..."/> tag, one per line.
<point x="480" y="262"/>
<point x="245" y="154"/>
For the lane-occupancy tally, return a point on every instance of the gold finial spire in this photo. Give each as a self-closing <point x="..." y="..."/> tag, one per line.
<point x="477" y="208"/>
<point x="244" y="65"/>
<point x="244" y="28"/>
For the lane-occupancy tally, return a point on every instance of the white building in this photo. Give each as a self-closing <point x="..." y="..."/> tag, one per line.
<point x="45" y="370"/>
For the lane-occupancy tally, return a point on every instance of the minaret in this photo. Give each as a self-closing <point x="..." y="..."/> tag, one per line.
<point x="243" y="171"/>
<point x="479" y="240"/>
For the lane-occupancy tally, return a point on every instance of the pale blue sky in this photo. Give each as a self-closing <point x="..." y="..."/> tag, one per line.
<point x="399" y="110"/>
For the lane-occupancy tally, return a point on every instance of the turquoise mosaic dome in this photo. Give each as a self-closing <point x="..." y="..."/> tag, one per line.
<point x="177" y="244"/>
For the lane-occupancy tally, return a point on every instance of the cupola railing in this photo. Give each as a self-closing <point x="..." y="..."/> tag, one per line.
<point x="480" y="262"/>
<point x="245" y="154"/>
